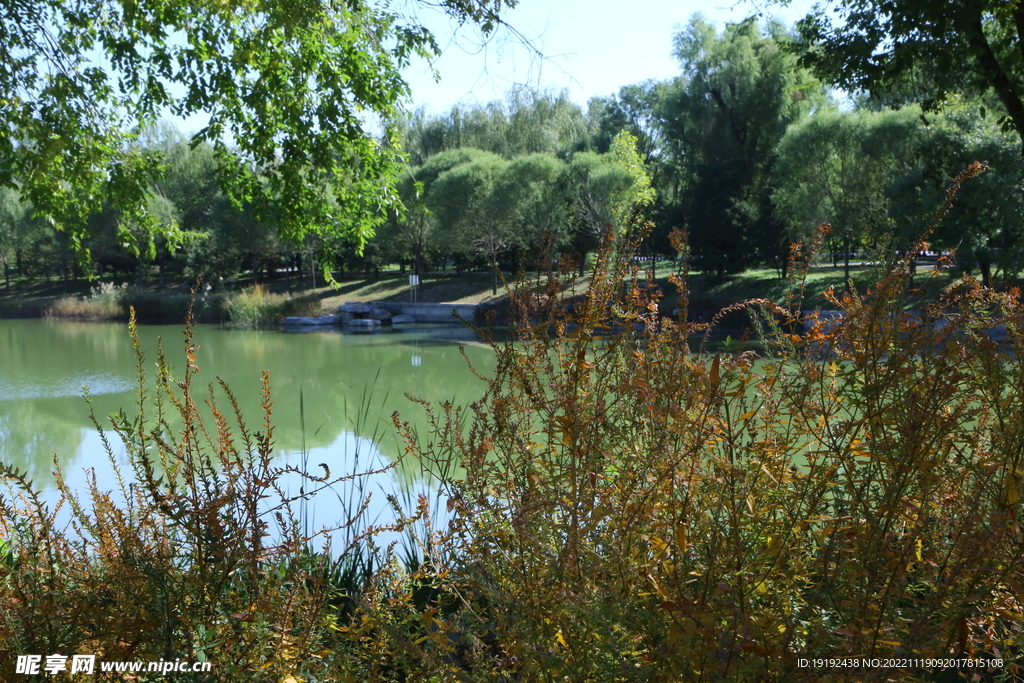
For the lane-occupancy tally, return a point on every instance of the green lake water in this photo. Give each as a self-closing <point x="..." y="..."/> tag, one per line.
<point x="348" y="386"/>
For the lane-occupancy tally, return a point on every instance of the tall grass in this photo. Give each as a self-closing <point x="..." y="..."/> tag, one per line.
<point x="255" y="307"/>
<point x="252" y="307"/>
<point x="104" y="303"/>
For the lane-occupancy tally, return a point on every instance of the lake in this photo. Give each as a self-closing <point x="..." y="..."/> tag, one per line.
<point x="334" y="392"/>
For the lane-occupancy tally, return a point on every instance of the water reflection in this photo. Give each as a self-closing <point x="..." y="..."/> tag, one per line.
<point x="334" y="393"/>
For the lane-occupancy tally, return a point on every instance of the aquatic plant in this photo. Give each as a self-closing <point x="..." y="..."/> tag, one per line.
<point x="255" y="306"/>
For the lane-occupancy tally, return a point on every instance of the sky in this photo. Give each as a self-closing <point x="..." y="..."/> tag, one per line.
<point x="590" y="47"/>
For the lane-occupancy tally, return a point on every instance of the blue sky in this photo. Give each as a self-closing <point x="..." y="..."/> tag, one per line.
<point x="591" y="47"/>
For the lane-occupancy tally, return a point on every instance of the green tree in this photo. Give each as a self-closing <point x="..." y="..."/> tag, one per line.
<point x="219" y="238"/>
<point x="633" y="109"/>
<point x="544" y="122"/>
<point x="986" y="222"/>
<point x="409" y="235"/>
<point x="292" y="92"/>
<point x="598" y="188"/>
<point x="465" y="202"/>
<point x="530" y="196"/>
<point x="12" y="216"/>
<point x="640" y="194"/>
<point x="922" y="50"/>
<point x="527" y="122"/>
<point x="827" y="176"/>
<point x="738" y="94"/>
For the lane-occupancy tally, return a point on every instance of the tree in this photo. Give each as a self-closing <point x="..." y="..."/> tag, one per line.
<point x="12" y="214"/>
<point x="464" y="200"/>
<point x="986" y="222"/>
<point x="292" y="91"/>
<point x="544" y="122"/>
<point x="624" y="152"/>
<point x="527" y="122"/>
<point x="738" y="93"/>
<point x="633" y="109"/>
<point x="411" y="234"/>
<point x="530" y="195"/>
<point x="922" y="49"/>
<point x="598" y="189"/>
<point x="826" y="176"/>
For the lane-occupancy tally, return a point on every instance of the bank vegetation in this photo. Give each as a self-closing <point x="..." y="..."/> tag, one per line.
<point x="631" y="506"/>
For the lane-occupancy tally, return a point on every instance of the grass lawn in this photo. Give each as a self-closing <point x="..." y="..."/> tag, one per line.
<point x="471" y="288"/>
<point x="30" y="297"/>
<point x="766" y="283"/>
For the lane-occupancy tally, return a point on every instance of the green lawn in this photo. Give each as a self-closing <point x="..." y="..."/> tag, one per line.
<point x="707" y="293"/>
<point x="766" y="283"/>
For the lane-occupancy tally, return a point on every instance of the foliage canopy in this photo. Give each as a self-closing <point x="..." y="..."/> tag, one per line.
<point x="292" y="92"/>
<point x="922" y="50"/>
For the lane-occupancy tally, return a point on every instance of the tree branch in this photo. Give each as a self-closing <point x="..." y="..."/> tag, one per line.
<point x="996" y="75"/>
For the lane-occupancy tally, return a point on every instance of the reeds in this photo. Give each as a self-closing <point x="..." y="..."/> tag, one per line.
<point x="104" y="303"/>
<point x="255" y="307"/>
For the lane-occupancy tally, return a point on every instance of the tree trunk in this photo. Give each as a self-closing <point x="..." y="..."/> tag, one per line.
<point x="846" y="262"/>
<point x="494" y="275"/>
<point x="996" y="75"/>
<point x="985" y="266"/>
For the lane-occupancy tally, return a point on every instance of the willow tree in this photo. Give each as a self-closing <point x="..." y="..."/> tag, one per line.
<point x="826" y="175"/>
<point x="921" y="50"/>
<point x="738" y="93"/>
<point x="528" y="121"/>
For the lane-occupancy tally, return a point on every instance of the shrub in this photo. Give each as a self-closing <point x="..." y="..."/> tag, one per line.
<point x="182" y="558"/>
<point x="635" y="507"/>
<point x="104" y="303"/>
